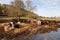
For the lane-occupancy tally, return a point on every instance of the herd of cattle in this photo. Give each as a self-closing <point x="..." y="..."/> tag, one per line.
<point x="42" y="22"/>
<point x="16" y="24"/>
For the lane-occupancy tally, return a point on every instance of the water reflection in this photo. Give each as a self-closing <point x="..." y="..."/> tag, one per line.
<point x="52" y="35"/>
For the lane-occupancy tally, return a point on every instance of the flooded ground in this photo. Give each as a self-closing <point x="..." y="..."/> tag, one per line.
<point x="52" y="35"/>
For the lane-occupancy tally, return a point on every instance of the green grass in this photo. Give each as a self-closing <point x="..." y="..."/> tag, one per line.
<point x="7" y="18"/>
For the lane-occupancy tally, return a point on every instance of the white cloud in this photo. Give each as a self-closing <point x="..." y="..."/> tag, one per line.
<point x="48" y="12"/>
<point x="5" y="1"/>
<point x="50" y="3"/>
<point x="49" y="8"/>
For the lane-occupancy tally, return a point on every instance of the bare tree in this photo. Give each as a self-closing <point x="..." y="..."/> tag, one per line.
<point x="18" y="3"/>
<point x="29" y="5"/>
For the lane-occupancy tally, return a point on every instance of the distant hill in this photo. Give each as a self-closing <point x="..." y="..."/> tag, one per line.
<point x="11" y="11"/>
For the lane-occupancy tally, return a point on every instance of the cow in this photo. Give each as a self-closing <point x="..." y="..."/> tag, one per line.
<point x="9" y="26"/>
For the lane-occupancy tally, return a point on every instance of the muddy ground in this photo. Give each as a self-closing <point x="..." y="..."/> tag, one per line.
<point x="25" y="31"/>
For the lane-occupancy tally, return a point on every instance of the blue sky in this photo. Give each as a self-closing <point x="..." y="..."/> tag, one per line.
<point x="44" y="7"/>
